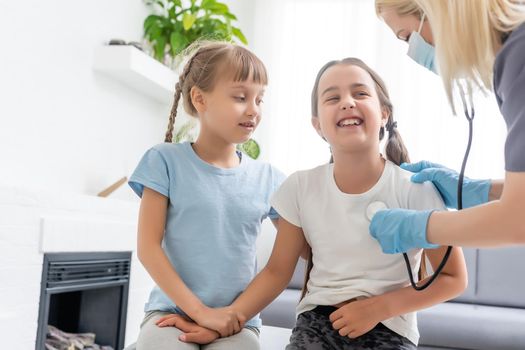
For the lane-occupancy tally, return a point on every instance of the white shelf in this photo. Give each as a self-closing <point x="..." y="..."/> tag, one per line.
<point x="136" y="69"/>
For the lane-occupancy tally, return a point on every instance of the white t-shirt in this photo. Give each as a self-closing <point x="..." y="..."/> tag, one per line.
<point x="347" y="261"/>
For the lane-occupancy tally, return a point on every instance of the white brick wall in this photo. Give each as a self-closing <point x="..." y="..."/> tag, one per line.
<point x="33" y="222"/>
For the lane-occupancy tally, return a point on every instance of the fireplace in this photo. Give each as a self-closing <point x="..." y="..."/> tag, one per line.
<point x="85" y="293"/>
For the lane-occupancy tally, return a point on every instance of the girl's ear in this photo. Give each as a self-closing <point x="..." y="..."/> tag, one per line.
<point x="317" y="126"/>
<point x="197" y="99"/>
<point x="384" y="116"/>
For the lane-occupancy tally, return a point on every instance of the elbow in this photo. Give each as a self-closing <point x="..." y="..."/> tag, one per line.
<point x="280" y="277"/>
<point x="143" y="254"/>
<point x="458" y="284"/>
<point x="517" y="236"/>
<point x="462" y="284"/>
<point x="520" y="236"/>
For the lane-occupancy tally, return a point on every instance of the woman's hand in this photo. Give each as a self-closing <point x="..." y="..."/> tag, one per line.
<point x="475" y="192"/>
<point x="223" y="320"/>
<point x="193" y="333"/>
<point x="399" y="230"/>
<point x="358" y="317"/>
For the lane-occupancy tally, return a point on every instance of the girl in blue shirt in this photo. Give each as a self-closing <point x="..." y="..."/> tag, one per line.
<point x="203" y="202"/>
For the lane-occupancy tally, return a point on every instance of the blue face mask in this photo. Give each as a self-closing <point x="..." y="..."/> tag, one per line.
<point x="421" y="51"/>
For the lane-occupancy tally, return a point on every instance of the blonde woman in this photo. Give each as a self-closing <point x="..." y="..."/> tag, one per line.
<point x="479" y="43"/>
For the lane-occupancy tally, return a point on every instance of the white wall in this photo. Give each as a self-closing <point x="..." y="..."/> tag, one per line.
<point x="62" y="125"/>
<point x="66" y="133"/>
<point x="295" y="38"/>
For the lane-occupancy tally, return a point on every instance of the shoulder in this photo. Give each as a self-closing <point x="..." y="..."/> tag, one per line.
<point x="400" y="176"/>
<point x="168" y="148"/>
<point x="313" y="175"/>
<point x="509" y="60"/>
<point x="170" y="153"/>
<point x="310" y="180"/>
<point x="259" y="165"/>
<point x="415" y="195"/>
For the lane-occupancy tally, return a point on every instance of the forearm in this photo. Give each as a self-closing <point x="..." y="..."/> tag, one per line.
<point x="496" y="189"/>
<point x="406" y="300"/>
<point x="159" y="267"/>
<point x="492" y="224"/>
<point x="265" y="287"/>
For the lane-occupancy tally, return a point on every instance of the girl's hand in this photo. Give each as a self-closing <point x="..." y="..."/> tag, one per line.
<point x="193" y="333"/>
<point x="358" y="317"/>
<point x="223" y="320"/>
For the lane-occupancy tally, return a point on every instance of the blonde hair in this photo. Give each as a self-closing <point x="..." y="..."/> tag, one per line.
<point x="208" y="60"/>
<point x="469" y="57"/>
<point x="401" y="7"/>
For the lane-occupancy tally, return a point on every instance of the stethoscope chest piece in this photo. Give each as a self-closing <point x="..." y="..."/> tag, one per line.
<point x="373" y="208"/>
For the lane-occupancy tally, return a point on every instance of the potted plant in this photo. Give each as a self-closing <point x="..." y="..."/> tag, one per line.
<point x="175" y="24"/>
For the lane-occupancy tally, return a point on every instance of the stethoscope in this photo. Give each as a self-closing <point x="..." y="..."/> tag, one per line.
<point x="374" y="207"/>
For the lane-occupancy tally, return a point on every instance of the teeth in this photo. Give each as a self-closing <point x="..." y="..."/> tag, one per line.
<point x="352" y="121"/>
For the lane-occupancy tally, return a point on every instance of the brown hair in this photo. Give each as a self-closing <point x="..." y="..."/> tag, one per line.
<point x="395" y="149"/>
<point x="209" y="60"/>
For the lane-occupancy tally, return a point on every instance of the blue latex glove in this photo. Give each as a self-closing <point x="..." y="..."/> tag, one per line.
<point x="399" y="230"/>
<point x="475" y="192"/>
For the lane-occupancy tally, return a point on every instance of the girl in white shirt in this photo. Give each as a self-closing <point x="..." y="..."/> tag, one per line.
<point x="356" y="296"/>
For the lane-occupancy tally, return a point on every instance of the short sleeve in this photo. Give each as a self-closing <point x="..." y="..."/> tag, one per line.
<point x="285" y="200"/>
<point x="278" y="178"/>
<point x="509" y="80"/>
<point x="151" y="172"/>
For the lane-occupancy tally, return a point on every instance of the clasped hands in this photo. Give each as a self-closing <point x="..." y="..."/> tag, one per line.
<point x="209" y="324"/>
<point x="351" y="320"/>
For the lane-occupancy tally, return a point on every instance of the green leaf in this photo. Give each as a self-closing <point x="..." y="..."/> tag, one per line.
<point x="218" y="8"/>
<point x="251" y="148"/>
<point x="187" y="20"/>
<point x="179" y="23"/>
<point x="205" y="4"/>
<point x="150" y="20"/>
<point x="237" y="32"/>
<point x="178" y="42"/>
<point x="159" y="48"/>
<point x="230" y="16"/>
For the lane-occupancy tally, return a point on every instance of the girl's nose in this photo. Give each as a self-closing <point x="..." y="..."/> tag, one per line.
<point x="253" y="110"/>
<point x="347" y="103"/>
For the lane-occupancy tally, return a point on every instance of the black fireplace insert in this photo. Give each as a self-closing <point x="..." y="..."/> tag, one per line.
<point x="85" y="293"/>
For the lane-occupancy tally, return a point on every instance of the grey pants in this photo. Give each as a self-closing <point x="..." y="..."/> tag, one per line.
<point x="152" y="337"/>
<point x="314" y="331"/>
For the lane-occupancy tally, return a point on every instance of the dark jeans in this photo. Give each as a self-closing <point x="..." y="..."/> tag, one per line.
<point x="314" y="331"/>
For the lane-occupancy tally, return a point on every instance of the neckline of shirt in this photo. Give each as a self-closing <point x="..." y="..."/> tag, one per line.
<point x="199" y="162"/>
<point x="376" y="187"/>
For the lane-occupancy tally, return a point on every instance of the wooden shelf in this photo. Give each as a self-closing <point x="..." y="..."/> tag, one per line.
<point x="136" y="69"/>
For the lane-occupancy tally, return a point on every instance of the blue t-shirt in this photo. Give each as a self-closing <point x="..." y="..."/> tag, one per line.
<point x="509" y="86"/>
<point x="214" y="217"/>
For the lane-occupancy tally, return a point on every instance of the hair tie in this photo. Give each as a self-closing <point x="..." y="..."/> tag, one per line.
<point x="392" y="126"/>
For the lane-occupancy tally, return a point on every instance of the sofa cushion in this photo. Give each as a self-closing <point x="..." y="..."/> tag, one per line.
<point x="471" y="258"/>
<point x="466" y="326"/>
<point x="298" y="275"/>
<point x="500" y="277"/>
<point x="281" y="312"/>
